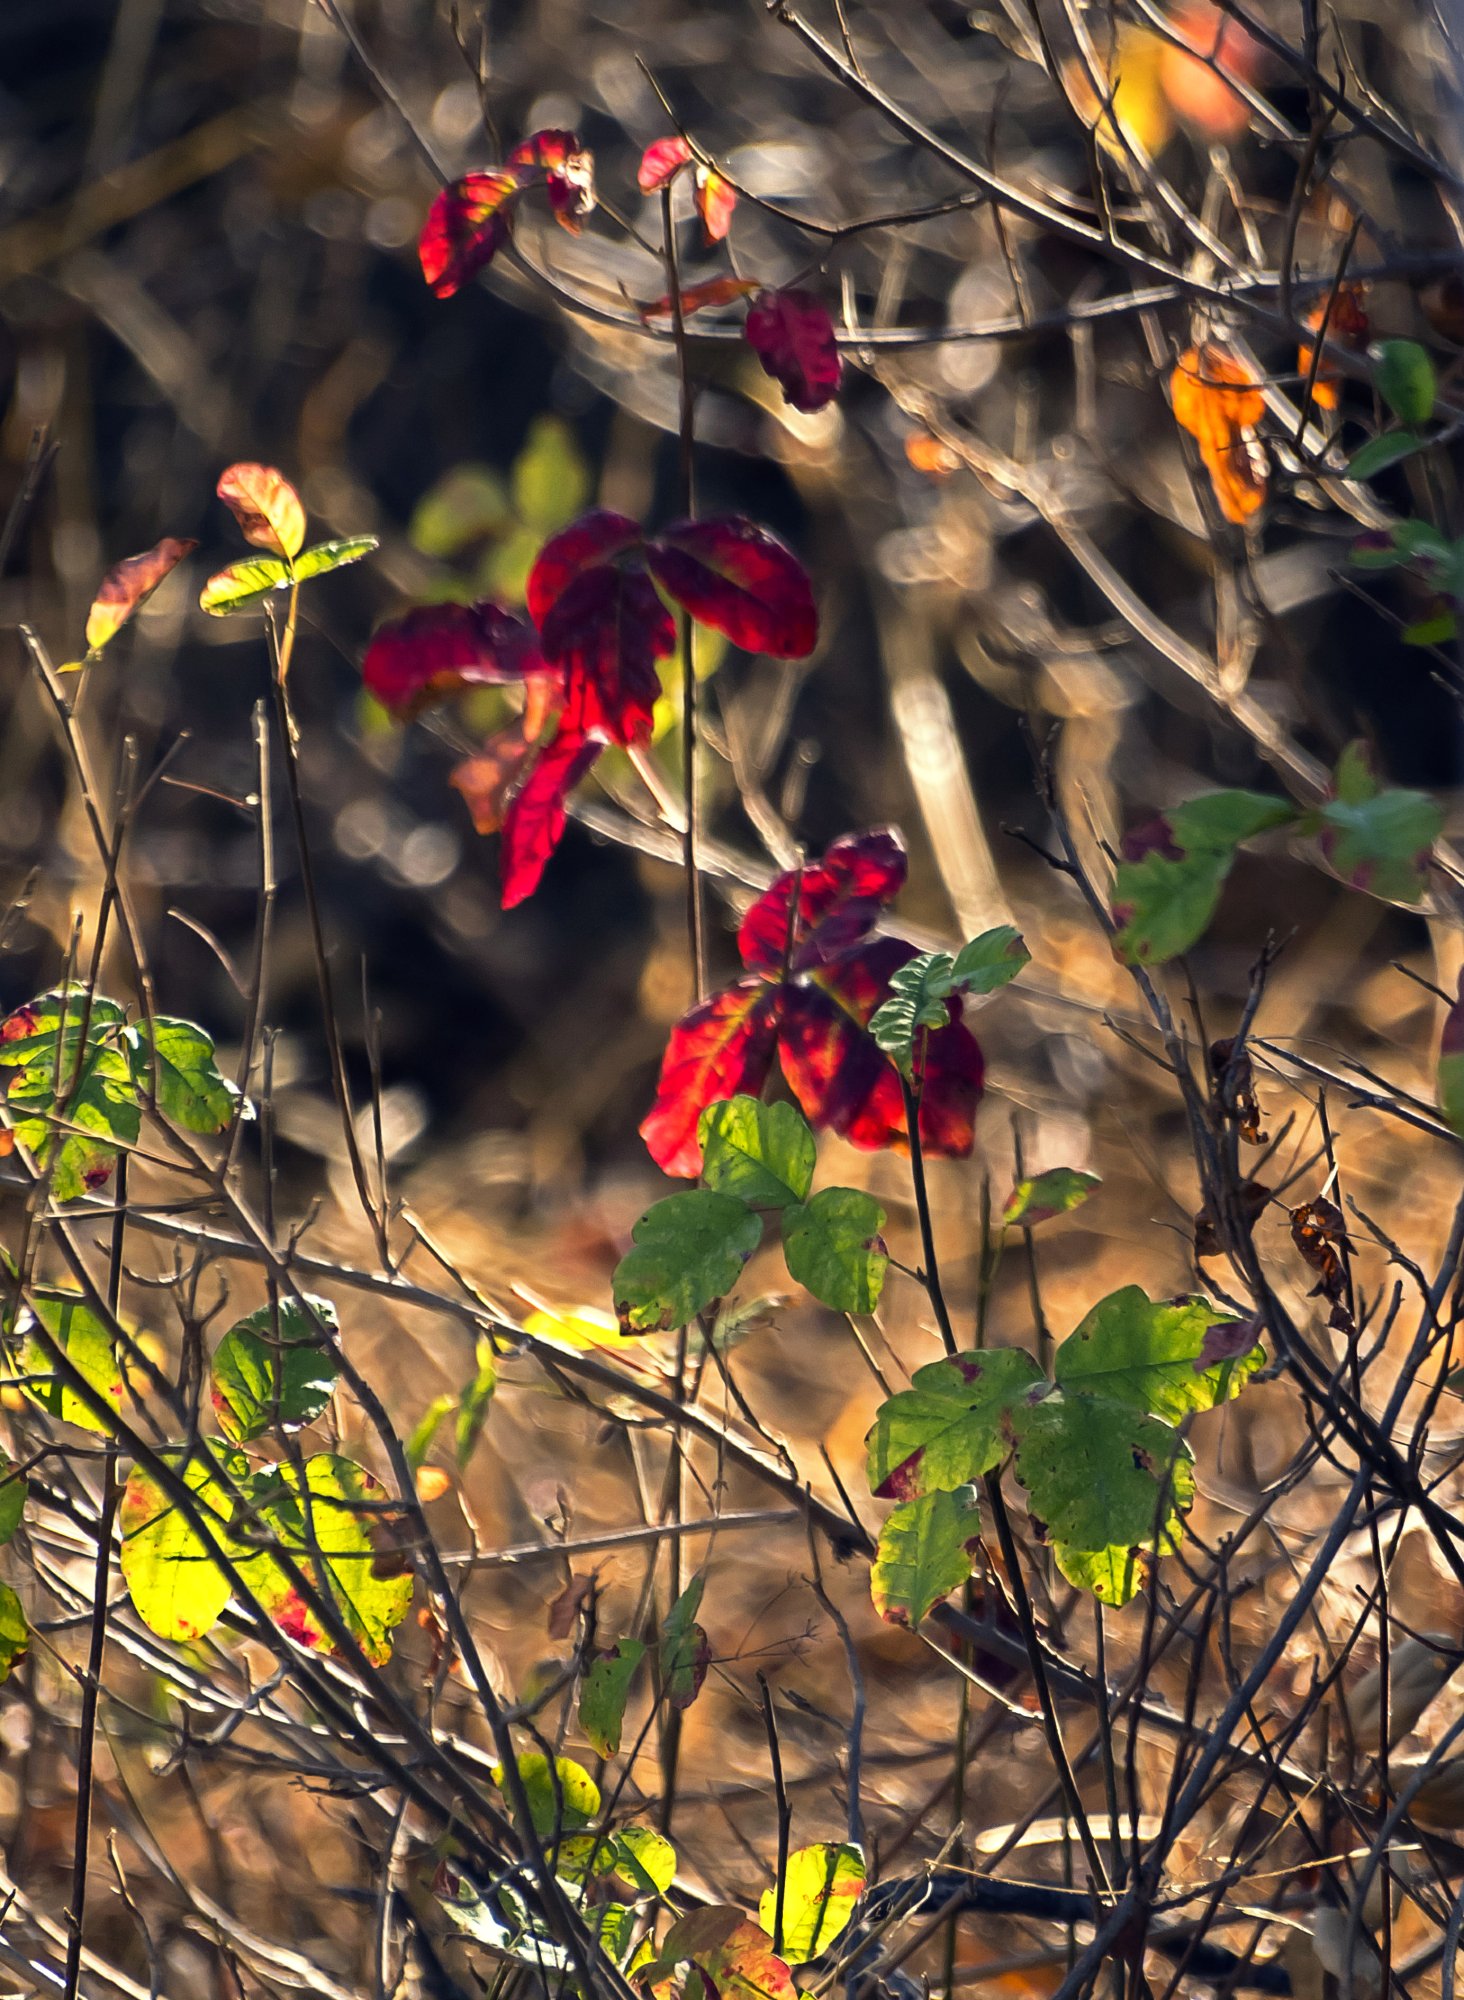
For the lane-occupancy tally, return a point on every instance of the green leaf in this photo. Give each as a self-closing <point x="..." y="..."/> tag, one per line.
<point x="690" y="1250"/>
<point x="426" y="1428"/>
<point x="551" y="482"/>
<point x="260" y="1382"/>
<point x="1042" y="1196"/>
<point x="73" y="1106"/>
<point x="191" y="1091"/>
<point x="1164" y="905"/>
<point x="1219" y="821"/>
<point x="1435" y="631"/>
<point x="1401" y="542"/>
<point x="12" y="1498"/>
<point x="1106" y="1484"/>
<point x="337" y="1531"/>
<point x="1376" y="839"/>
<point x="562" y="1795"/>
<point x="176" y="1585"/>
<point x="326" y="556"/>
<point x="952" y="1425"/>
<point x="87" y="1346"/>
<point x="920" y="989"/>
<point x="1151" y="1354"/>
<point x="604" y="1694"/>
<point x="761" y="1153"/>
<point x="1451" y="1065"/>
<point x="833" y="1250"/>
<point x="924" y="1552"/>
<point x="29" y="1036"/>
<point x="14" y="1632"/>
<point x="1387" y="448"/>
<point x="821" y="1885"/>
<point x="242" y="584"/>
<point x="467" y="505"/>
<point x="685" y="1652"/>
<point x="990" y="961"/>
<point x="641" y="1857"/>
<point x="1406" y="380"/>
<point x="476" y="1398"/>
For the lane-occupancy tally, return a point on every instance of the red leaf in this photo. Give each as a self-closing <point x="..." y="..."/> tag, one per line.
<point x="424" y="655"/>
<point x="596" y="537"/>
<point x="721" y="1048"/>
<point x="660" y="161"/>
<point x="534" y="823"/>
<point x="266" y="506"/>
<point x="568" y="172"/>
<point x="129" y="584"/>
<point x="793" y="337"/>
<point x="696" y="298"/>
<point x="715" y="201"/>
<point x="466" y="227"/>
<point x="838" y="900"/>
<point x="736" y="577"/>
<point x="607" y="630"/>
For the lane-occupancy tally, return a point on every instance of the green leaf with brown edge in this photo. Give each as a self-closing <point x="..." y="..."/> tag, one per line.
<point x="263" y="1379"/>
<point x="763" y="1154"/>
<point x="832" y="1247"/>
<point x="243" y="584"/>
<point x="1042" y="1196"/>
<point x="1106" y="1485"/>
<point x="1451" y="1065"/>
<point x="952" y="1425"/>
<point x="337" y="1531"/>
<point x="562" y="1795"/>
<point x="178" y="1056"/>
<point x="604" y="1693"/>
<point x="175" y="1582"/>
<point x="685" y="1651"/>
<point x="86" y="1344"/>
<point x="14" y="1632"/>
<point x="689" y="1252"/>
<point x="821" y="1885"/>
<point x="732" y="1957"/>
<point x="1150" y="1355"/>
<point x="924" y="1553"/>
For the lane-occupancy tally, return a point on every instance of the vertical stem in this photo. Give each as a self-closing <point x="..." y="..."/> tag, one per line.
<point x="931" y="1271"/>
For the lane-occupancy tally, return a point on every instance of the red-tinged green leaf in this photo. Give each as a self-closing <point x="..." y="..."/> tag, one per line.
<point x="716" y="1954"/>
<point x="14" y="1632"/>
<point x="1146" y="1353"/>
<point x="684" y="1650"/>
<point x="762" y="1153"/>
<point x="741" y="580"/>
<point x="661" y="159"/>
<point x="467" y="225"/>
<point x="334" y="1528"/>
<point x="73" y="1327"/>
<point x="952" y="1425"/>
<point x="566" y="170"/>
<point x="562" y="1795"/>
<point x="267" y="508"/>
<point x="1388" y="448"/>
<point x="600" y="536"/>
<point x="242" y="584"/>
<point x="924" y="1553"/>
<point x="1042" y="1196"/>
<point x="427" y="653"/>
<point x="77" y="1132"/>
<point x="1451" y="1065"/>
<point x="1220" y="821"/>
<point x="275" y="1370"/>
<point x="1162" y="906"/>
<point x="715" y="200"/>
<point x="821" y="1885"/>
<point x="689" y="1252"/>
<point x="698" y="298"/>
<point x="326" y="556"/>
<point x="607" y="630"/>
<point x="534" y="822"/>
<point x="1402" y="542"/>
<point x="829" y="906"/>
<point x="129" y="584"/>
<point x="833" y="1248"/>
<point x="177" y="1588"/>
<point x="1377" y="839"/>
<point x="604" y="1694"/>
<point x="722" y="1048"/>
<point x="792" y="335"/>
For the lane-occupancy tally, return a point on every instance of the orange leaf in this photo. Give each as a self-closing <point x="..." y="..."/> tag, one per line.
<point x="128" y="584"/>
<point x="485" y="780"/>
<point x="267" y="508"/>
<point x="1196" y="84"/>
<point x="1218" y="401"/>
<point x="696" y="298"/>
<point x="1346" y="323"/>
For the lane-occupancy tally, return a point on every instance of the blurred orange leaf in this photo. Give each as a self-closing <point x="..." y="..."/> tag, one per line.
<point x="1347" y="322"/>
<point x="1218" y="401"/>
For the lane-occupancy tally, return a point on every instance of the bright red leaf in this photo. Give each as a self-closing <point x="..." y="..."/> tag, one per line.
<point x="416" y="659"/>
<point x="466" y="227"/>
<point x="566" y="169"/>
<point x="534" y="822"/>
<point x="597" y="537"/>
<point x="793" y="337"/>
<point x="817" y="976"/>
<point x="736" y="577"/>
<point x="660" y="161"/>
<point x="607" y="631"/>
<point x="129" y="584"/>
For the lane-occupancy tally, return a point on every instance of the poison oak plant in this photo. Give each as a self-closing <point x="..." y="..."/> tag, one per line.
<point x="1064" y="1515"/>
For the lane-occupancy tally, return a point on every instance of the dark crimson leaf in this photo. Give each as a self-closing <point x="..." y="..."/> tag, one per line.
<point x="607" y="631"/>
<point x="721" y="1048"/>
<point x="568" y="173"/>
<point x="597" y="537"/>
<point x="534" y="823"/>
<point x="466" y="227"/>
<point x="418" y="658"/>
<point x="792" y="335"/>
<point x="660" y="161"/>
<point x="838" y="900"/>
<point x="737" y="578"/>
<point x="129" y="584"/>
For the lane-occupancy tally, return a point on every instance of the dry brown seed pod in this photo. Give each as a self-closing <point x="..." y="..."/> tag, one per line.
<point x="1417" y="1670"/>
